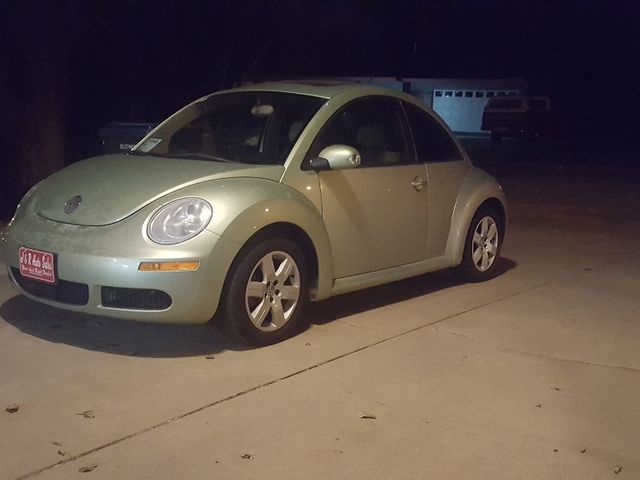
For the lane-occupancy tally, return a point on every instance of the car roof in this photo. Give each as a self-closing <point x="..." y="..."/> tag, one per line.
<point x="317" y="88"/>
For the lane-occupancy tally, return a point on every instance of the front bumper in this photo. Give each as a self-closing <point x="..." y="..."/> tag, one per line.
<point x="104" y="262"/>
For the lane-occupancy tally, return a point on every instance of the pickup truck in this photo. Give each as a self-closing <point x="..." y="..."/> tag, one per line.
<point x="516" y="116"/>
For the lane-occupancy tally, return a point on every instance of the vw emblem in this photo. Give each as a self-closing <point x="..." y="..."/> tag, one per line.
<point x="72" y="204"/>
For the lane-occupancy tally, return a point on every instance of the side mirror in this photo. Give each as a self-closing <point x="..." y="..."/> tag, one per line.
<point x="336" y="157"/>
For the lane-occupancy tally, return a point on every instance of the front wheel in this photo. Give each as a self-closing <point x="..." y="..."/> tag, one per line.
<point x="265" y="293"/>
<point x="482" y="246"/>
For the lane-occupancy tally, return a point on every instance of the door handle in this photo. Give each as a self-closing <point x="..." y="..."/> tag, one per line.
<point x="418" y="183"/>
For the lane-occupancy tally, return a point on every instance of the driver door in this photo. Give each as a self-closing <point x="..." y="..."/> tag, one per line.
<point x="375" y="214"/>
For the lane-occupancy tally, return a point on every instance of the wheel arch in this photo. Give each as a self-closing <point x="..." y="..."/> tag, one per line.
<point x="246" y="206"/>
<point x="294" y="220"/>
<point x="479" y="189"/>
<point x="293" y="232"/>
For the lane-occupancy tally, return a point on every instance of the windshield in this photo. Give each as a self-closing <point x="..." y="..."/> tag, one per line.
<point x="246" y="127"/>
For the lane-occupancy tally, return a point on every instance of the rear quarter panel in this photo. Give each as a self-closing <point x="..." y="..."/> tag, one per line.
<point x="445" y="182"/>
<point x="477" y="187"/>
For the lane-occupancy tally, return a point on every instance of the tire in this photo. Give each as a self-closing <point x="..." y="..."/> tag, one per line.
<point x="495" y="136"/>
<point x="482" y="246"/>
<point x="265" y="293"/>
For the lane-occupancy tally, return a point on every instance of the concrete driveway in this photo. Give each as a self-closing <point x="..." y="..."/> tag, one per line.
<point x="533" y="375"/>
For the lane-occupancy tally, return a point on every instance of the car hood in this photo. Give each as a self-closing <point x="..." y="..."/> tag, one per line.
<point x="114" y="187"/>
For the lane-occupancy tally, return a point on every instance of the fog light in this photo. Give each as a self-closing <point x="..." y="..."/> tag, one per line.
<point x="168" y="266"/>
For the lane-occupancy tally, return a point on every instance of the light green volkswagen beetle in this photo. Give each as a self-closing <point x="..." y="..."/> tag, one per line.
<point x="247" y="203"/>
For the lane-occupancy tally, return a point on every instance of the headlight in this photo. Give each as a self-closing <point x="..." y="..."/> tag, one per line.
<point x="179" y="220"/>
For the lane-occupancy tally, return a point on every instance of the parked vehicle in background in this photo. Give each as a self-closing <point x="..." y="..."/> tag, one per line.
<point x="120" y="137"/>
<point x="517" y="116"/>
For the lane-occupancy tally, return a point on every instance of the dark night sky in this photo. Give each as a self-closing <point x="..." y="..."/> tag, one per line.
<point x="144" y="46"/>
<point x="150" y="57"/>
<point x="142" y="59"/>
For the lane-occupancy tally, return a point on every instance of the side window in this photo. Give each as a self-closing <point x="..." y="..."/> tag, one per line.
<point x="433" y="143"/>
<point x="373" y="126"/>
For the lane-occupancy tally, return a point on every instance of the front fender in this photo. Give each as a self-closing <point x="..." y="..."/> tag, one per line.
<point x="244" y="206"/>
<point x="477" y="187"/>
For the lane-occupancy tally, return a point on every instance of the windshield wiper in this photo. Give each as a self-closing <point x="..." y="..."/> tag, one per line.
<point x="199" y="156"/>
<point x="189" y="155"/>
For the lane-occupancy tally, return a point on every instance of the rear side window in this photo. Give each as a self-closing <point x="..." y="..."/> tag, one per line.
<point x="433" y="142"/>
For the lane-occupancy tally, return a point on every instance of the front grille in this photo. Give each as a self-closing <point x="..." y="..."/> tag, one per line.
<point x="63" y="291"/>
<point x="135" y="298"/>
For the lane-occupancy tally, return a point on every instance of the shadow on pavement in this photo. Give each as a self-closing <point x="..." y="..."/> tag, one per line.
<point x="352" y="303"/>
<point x="122" y="337"/>
<point x="118" y="337"/>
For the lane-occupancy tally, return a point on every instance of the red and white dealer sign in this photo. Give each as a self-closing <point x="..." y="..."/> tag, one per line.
<point x="37" y="265"/>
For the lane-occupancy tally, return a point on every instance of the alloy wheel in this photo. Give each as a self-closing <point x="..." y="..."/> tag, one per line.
<point x="273" y="291"/>
<point x="484" y="247"/>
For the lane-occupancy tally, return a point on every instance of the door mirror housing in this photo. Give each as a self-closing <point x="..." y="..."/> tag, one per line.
<point x="336" y="157"/>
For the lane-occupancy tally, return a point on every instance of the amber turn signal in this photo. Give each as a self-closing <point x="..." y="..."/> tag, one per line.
<point x="168" y="266"/>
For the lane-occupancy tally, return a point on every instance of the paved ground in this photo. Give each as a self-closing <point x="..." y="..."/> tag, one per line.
<point x="533" y="375"/>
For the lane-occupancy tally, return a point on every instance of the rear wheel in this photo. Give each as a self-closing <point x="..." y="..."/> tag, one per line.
<point x="482" y="246"/>
<point x="265" y="293"/>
